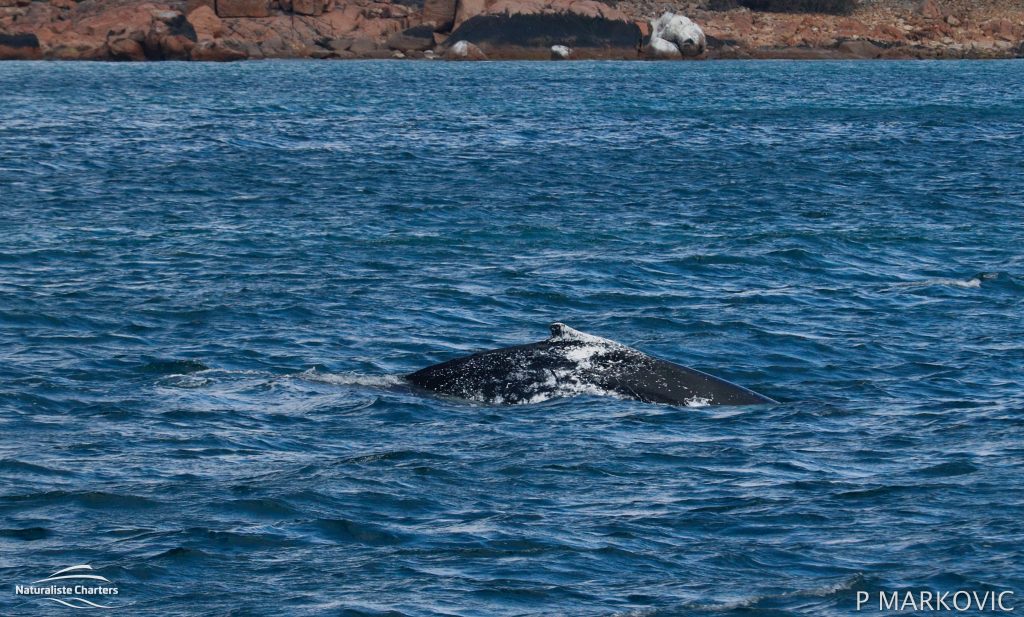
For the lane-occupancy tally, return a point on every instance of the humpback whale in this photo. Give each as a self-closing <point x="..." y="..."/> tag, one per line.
<point x="570" y="363"/>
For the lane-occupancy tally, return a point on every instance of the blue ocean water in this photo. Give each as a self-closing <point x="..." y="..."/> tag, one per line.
<point x="213" y="276"/>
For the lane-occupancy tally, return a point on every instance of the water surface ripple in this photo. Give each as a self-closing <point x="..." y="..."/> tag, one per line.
<point x="210" y="276"/>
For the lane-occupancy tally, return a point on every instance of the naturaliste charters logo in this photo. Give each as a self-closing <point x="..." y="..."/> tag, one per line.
<point x="74" y="587"/>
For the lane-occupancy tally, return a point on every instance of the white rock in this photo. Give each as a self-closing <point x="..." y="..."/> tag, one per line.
<point x="560" y="52"/>
<point x="166" y="16"/>
<point x="679" y="31"/>
<point x="464" y="50"/>
<point x="660" y="48"/>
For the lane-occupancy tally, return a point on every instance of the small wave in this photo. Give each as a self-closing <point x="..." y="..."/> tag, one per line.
<point x="971" y="283"/>
<point x="871" y="493"/>
<point x="22" y="467"/>
<point x="238" y="539"/>
<point x="351" y="611"/>
<point x="758" y="601"/>
<point x="950" y="469"/>
<point x="173" y="367"/>
<point x="187" y="382"/>
<point x="182" y="553"/>
<point x="392" y="456"/>
<point x="88" y="499"/>
<point x="28" y="534"/>
<point x="261" y="507"/>
<point x="351" y="531"/>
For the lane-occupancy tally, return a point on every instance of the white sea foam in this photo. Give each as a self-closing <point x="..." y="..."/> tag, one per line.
<point x="971" y="283"/>
<point x="968" y="284"/>
<point x="823" y="591"/>
<point x="352" y="379"/>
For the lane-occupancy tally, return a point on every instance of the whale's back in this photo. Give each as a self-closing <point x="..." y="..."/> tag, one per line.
<point x="572" y="363"/>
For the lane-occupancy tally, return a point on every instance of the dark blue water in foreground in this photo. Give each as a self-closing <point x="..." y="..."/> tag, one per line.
<point x="210" y="277"/>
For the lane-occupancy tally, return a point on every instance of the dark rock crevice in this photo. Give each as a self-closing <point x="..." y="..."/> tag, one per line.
<point x="544" y="30"/>
<point x="19" y="41"/>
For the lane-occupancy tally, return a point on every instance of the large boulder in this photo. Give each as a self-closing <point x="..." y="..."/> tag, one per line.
<point x="560" y="52"/>
<point x="671" y="30"/>
<point x="464" y="50"/>
<point x="420" y="38"/>
<point x="930" y="10"/>
<point x="206" y="24"/>
<point x="660" y="49"/>
<point x="126" y="49"/>
<point x="170" y="37"/>
<point x="363" y="46"/>
<point x="860" y="49"/>
<point x="529" y="29"/>
<point x="215" y="51"/>
<point x="243" y="8"/>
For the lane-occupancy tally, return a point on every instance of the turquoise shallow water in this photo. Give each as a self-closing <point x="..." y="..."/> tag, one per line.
<point x="211" y="278"/>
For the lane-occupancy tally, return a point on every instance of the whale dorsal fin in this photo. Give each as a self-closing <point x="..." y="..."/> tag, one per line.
<point x="563" y="333"/>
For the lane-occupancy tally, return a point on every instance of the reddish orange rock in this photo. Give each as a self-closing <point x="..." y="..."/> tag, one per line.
<point x="644" y="26"/>
<point x="468" y="9"/>
<point x="860" y="49"/>
<point x="849" y="27"/>
<point x="243" y="8"/>
<point x="192" y="5"/>
<point x="127" y="49"/>
<point x="343" y="20"/>
<point x="441" y="12"/>
<point x="930" y="10"/>
<point x="999" y="29"/>
<point x="743" y="24"/>
<point x="215" y="51"/>
<point x="206" y="23"/>
<point x="308" y="7"/>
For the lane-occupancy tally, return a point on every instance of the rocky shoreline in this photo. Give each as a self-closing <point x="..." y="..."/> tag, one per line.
<point x="226" y="30"/>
